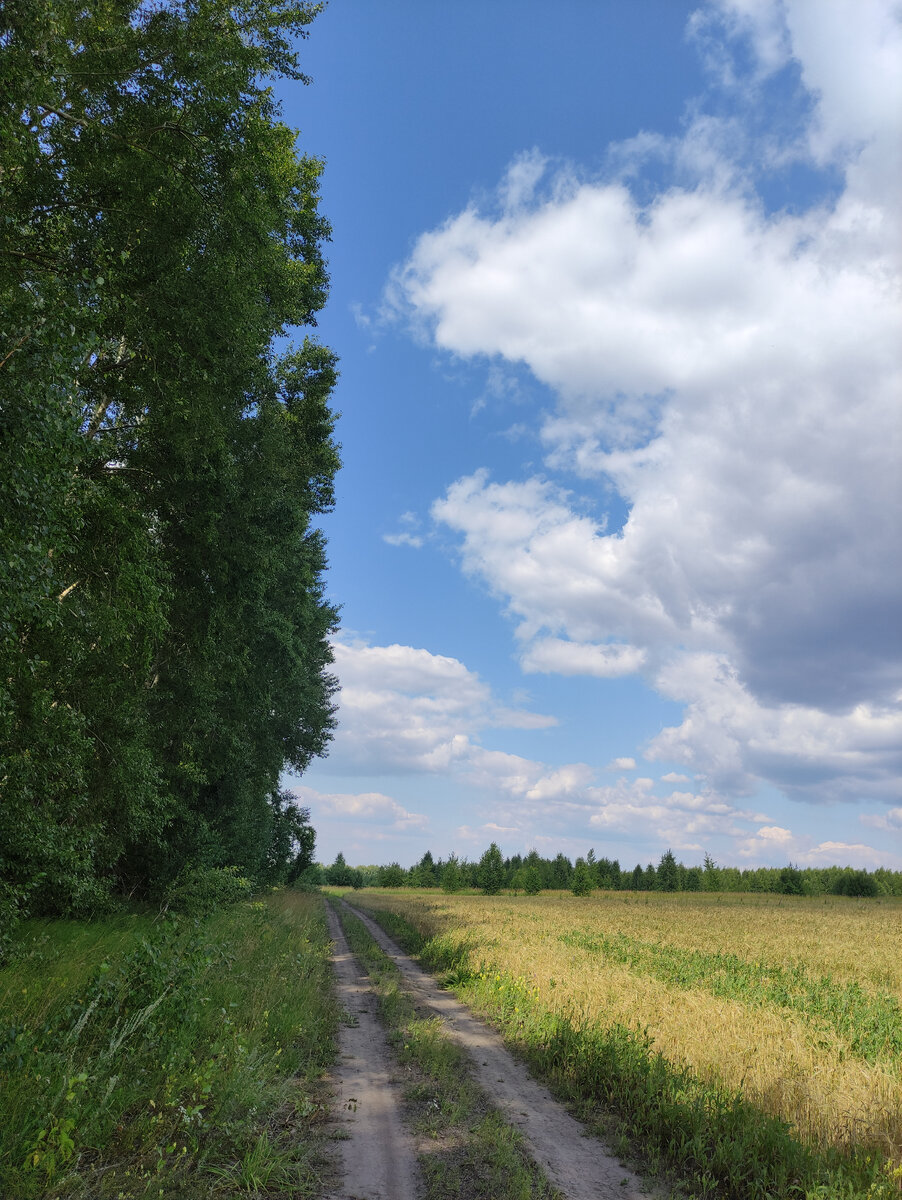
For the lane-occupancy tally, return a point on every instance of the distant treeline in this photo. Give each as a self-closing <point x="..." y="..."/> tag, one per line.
<point x="532" y="874"/>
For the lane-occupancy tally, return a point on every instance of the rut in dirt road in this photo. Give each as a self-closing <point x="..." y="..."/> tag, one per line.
<point x="575" y="1162"/>
<point x="378" y="1155"/>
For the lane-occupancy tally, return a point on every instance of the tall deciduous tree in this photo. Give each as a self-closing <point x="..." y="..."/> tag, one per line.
<point x="163" y="627"/>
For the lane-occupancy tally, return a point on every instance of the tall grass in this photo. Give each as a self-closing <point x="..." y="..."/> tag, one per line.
<point x="708" y="1127"/>
<point x="178" y="1059"/>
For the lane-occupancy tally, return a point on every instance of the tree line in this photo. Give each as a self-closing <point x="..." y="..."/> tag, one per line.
<point x="531" y="873"/>
<point x="164" y="631"/>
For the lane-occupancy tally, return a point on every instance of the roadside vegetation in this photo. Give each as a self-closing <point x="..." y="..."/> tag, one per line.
<point x="467" y="1149"/>
<point x="167" y="1057"/>
<point x="747" y="1045"/>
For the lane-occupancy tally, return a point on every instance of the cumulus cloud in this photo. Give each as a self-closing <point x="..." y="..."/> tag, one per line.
<point x="403" y="709"/>
<point x="369" y="807"/>
<point x="559" y="657"/>
<point x="626" y="764"/>
<point x="774" y="844"/>
<point x="683" y="820"/>
<point x="733" y="374"/>
<point x="813" y="754"/>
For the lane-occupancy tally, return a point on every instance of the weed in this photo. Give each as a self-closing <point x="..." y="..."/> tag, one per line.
<point x="159" y="1060"/>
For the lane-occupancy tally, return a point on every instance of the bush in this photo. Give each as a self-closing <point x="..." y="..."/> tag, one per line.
<point x="11" y="912"/>
<point x="198" y="891"/>
<point x="857" y="883"/>
<point x="310" y="879"/>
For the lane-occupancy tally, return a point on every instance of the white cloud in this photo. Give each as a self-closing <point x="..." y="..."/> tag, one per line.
<point x="556" y="656"/>
<point x="624" y="764"/>
<point x="361" y="806"/>
<point x="403" y="539"/>
<point x="734" y="374"/>
<point x="674" y="777"/>
<point x="679" y="820"/>
<point x="812" y="754"/>
<point x="404" y="709"/>
<point x="408" y="535"/>
<point x="775" y="845"/>
<point x="891" y="821"/>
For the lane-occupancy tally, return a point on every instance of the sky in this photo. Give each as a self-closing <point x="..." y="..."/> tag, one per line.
<point x="615" y="291"/>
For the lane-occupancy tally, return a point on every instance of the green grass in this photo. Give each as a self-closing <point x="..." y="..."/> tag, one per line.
<point x="471" y="1151"/>
<point x="870" y="1024"/>
<point x="167" y="1059"/>
<point x="709" y="1141"/>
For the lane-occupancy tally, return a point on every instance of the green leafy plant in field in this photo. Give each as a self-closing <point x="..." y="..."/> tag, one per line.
<point x="199" y="891"/>
<point x="711" y="1137"/>
<point x="870" y="1023"/>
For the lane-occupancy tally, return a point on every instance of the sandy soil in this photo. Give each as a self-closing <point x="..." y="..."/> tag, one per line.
<point x="378" y="1155"/>
<point x="573" y="1160"/>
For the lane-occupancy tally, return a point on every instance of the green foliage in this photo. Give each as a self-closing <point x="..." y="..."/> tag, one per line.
<point x="856" y="883"/>
<point x="870" y="1022"/>
<point x="425" y="874"/>
<point x="490" y="872"/>
<point x="532" y="880"/>
<point x="163" y="629"/>
<point x="791" y="881"/>
<point x="174" y="1055"/>
<point x="666" y="876"/>
<point x="199" y="891"/>
<point x="392" y="876"/>
<point x="342" y="875"/>
<point x="582" y="882"/>
<point x="452" y="875"/>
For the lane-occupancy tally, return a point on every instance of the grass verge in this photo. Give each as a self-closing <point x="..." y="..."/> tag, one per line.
<point x="712" y="1139"/>
<point x="466" y="1148"/>
<point x="171" y="1059"/>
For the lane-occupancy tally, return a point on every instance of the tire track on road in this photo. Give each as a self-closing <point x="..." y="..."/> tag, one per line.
<point x="573" y="1159"/>
<point x="378" y="1154"/>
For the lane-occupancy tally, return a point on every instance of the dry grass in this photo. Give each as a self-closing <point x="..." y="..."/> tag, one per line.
<point x="792" y="1064"/>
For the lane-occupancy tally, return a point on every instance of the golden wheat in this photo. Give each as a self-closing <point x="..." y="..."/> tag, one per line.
<point x="785" y="1061"/>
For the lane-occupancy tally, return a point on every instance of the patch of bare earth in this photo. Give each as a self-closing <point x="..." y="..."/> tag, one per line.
<point x="378" y="1154"/>
<point x="574" y="1161"/>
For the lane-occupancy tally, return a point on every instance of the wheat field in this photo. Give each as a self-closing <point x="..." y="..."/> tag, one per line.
<point x="797" y="1002"/>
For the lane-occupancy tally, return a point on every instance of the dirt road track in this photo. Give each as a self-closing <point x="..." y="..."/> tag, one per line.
<point x="378" y="1155"/>
<point x="573" y="1161"/>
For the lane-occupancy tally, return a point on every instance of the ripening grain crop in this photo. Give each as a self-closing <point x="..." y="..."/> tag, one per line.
<point x="795" y="1001"/>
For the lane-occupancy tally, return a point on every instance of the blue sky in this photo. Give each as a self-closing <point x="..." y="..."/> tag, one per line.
<point x="615" y="290"/>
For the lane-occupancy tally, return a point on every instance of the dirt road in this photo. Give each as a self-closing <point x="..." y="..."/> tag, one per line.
<point x="573" y="1161"/>
<point x="378" y="1155"/>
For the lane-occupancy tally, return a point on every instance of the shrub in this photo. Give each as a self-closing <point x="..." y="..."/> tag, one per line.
<point x="11" y="911"/>
<point x="198" y="891"/>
